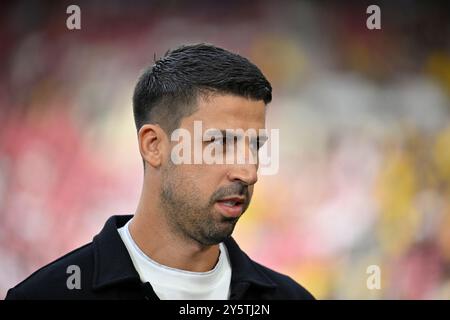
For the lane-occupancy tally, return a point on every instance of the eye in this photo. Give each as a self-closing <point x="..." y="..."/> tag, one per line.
<point x="257" y="143"/>
<point x="221" y="141"/>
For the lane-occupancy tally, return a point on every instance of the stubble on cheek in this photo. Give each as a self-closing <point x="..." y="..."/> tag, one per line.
<point x="187" y="214"/>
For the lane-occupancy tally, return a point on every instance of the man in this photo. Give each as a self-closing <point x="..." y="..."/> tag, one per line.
<point x="178" y="244"/>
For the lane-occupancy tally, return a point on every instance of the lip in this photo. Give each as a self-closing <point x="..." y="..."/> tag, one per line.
<point x="233" y="198"/>
<point x="231" y="211"/>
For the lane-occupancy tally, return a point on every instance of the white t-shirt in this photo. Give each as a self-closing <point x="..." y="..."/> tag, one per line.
<point x="176" y="284"/>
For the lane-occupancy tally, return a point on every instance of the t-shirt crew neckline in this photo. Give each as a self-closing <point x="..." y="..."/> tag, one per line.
<point x="188" y="283"/>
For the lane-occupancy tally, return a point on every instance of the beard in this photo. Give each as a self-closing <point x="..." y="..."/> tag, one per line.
<point x="192" y="216"/>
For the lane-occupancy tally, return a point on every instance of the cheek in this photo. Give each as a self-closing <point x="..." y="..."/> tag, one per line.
<point x="250" y="191"/>
<point x="208" y="178"/>
<point x="206" y="172"/>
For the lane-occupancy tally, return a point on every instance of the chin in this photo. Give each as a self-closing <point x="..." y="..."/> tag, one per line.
<point x="217" y="238"/>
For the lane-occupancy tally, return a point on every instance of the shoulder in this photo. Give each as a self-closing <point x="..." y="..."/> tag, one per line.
<point x="287" y="288"/>
<point x="51" y="281"/>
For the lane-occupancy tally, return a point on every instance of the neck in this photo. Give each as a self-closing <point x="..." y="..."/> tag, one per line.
<point x="151" y="232"/>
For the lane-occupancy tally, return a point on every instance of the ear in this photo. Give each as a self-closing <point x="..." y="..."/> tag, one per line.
<point x="152" y="144"/>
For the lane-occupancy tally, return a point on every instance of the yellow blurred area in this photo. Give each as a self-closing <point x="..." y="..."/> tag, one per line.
<point x="441" y="153"/>
<point x="395" y="191"/>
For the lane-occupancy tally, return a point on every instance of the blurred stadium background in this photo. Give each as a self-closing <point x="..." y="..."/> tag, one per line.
<point x="364" y="119"/>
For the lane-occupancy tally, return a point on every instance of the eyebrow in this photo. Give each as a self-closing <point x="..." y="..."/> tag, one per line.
<point x="226" y="133"/>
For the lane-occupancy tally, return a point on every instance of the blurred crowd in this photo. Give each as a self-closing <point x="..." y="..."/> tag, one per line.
<point x="364" y="119"/>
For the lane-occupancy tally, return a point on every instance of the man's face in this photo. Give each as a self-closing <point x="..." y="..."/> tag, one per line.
<point x="203" y="201"/>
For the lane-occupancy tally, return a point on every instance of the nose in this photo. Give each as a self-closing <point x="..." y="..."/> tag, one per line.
<point x="246" y="173"/>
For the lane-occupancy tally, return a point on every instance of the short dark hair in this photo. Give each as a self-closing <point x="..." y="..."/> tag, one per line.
<point x="167" y="91"/>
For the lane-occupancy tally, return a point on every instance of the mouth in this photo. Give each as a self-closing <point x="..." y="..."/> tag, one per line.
<point x="231" y="207"/>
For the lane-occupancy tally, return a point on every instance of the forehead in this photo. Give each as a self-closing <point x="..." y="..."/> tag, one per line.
<point x="228" y="112"/>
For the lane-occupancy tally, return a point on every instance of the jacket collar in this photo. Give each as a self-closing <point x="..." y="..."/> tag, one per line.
<point x="113" y="265"/>
<point x="243" y="268"/>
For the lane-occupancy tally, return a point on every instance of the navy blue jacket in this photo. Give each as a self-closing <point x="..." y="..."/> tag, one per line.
<point x="107" y="272"/>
